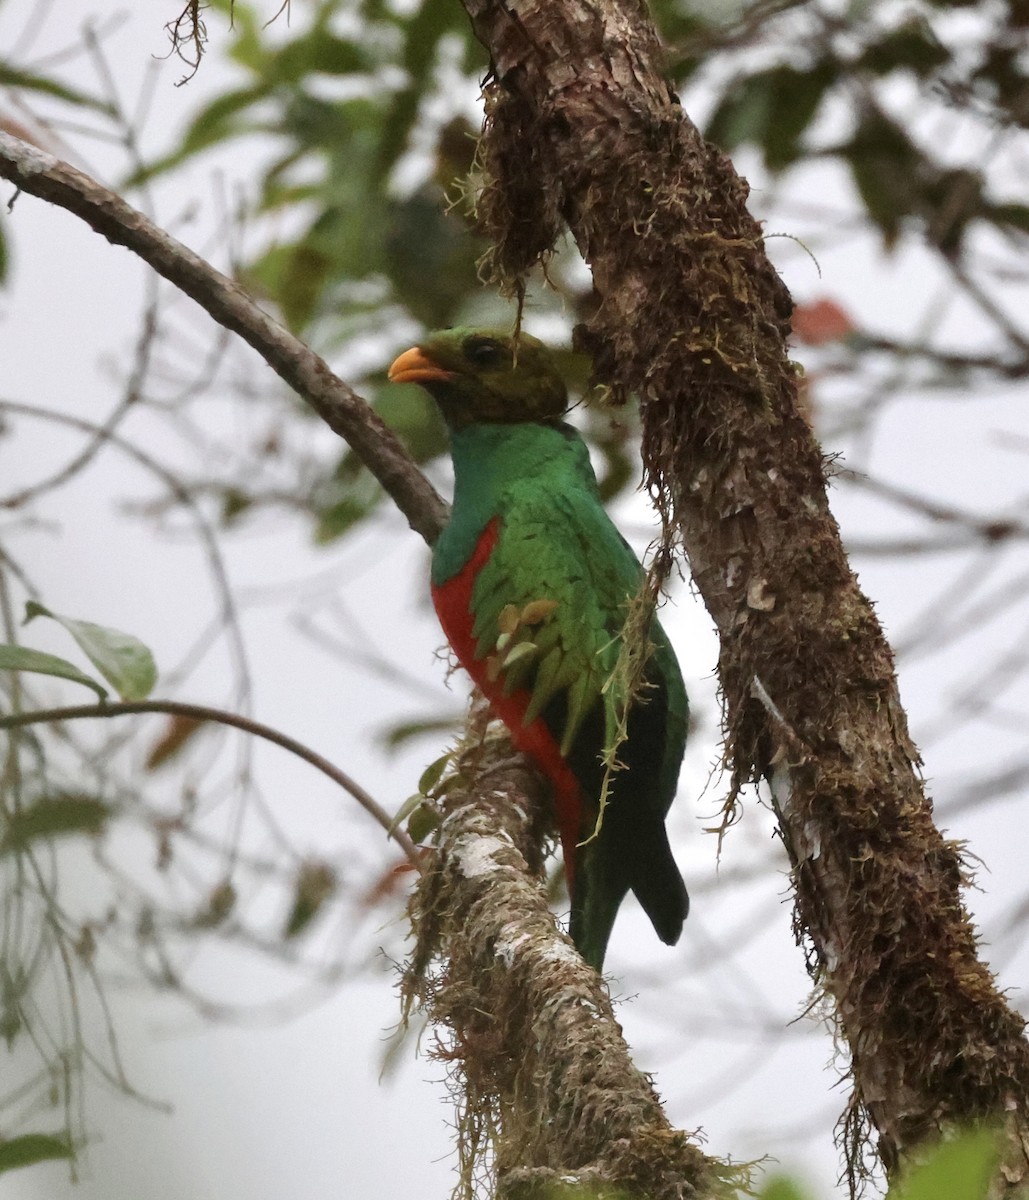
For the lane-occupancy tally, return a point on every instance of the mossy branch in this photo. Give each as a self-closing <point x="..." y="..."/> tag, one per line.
<point x="692" y="318"/>
<point x="548" y="1096"/>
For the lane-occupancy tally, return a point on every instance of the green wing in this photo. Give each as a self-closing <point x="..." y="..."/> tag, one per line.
<point x="550" y="603"/>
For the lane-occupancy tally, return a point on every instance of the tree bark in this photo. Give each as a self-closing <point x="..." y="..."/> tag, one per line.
<point x="582" y="128"/>
<point x="548" y="1098"/>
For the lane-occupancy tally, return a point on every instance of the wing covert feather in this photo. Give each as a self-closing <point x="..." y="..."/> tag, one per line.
<point x="561" y="550"/>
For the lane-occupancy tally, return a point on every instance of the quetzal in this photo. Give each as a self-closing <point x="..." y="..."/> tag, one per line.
<point x="532" y="582"/>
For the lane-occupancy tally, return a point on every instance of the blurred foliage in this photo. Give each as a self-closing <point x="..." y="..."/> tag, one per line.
<point x="54" y="816"/>
<point x="785" y="78"/>
<point x="960" y="1169"/>
<point x="362" y="209"/>
<point x="781" y="1187"/>
<point x="17" y="80"/>
<point x="31" y="1148"/>
<point x="341" y="108"/>
<point x="314" y="886"/>
<point x="849" y="69"/>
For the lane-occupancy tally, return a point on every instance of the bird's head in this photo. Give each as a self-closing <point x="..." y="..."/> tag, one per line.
<point x="484" y="375"/>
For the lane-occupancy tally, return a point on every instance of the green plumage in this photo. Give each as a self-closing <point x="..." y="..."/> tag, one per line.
<point x="547" y="611"/>
<point x="558" y="544"/>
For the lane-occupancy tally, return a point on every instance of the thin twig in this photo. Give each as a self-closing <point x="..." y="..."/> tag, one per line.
<point x="201" y="712"/>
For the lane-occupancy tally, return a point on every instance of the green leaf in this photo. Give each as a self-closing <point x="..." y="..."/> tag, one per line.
<point x="217" y="907"/>
<point x="320" y="51"/>
<point x="247" y="50"/>
<point x="430" y="255"/>
<point x="52" y="817"/>
<point x="741" y="115"/>
<point x="405" y="731"/>
<point x="351" y="493"/>
<point x="126" y="664"/>
<point x="341" y="502"/>
<point x="32" y="1148"/>
<point x="216" y="122"/>
<point x="678" y="24"/>
<point x="339" y="518"/>
<point x="772" y="109"/>
<point x="961" y="1169"/>
<point x="12" y="77"/>
<point x="415" y="418"/>
<point x="302" y="272"/>
<point x="235" y="502"/>
<point x="887" y="167"/>
<point x="404" y="811"/>
<point x="433" y="773"/>
<point x="796" y="99"/>
<point x="423" y="33"/>
<point x="20" y="658"/>
<point x="424" y="820"/>
<point x="316" y="883"/>
<point x="1014" y="215"/>
<point x="222" y="119"/>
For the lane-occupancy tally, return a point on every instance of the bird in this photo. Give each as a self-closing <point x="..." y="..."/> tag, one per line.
<point x="532" y="583"/>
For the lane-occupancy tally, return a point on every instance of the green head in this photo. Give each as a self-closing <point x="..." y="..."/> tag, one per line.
<point x="485" y="376"/>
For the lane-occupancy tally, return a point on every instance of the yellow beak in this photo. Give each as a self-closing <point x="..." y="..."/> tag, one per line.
<point x="415" y="366"/>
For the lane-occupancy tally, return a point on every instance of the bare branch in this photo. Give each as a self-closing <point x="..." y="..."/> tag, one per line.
<point x="43" y="175"/>
<point x="1007" y="367"/>
<point x="200" y="712"/>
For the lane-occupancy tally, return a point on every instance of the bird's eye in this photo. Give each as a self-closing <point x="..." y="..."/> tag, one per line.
<point x="483" y="351"/>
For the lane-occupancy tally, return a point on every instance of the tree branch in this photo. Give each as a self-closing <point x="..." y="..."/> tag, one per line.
<point x="582" y="127"/>
<point x="377" y="446"/>
<point x="547" y="1077"/>
<point x="201" y="712"/>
